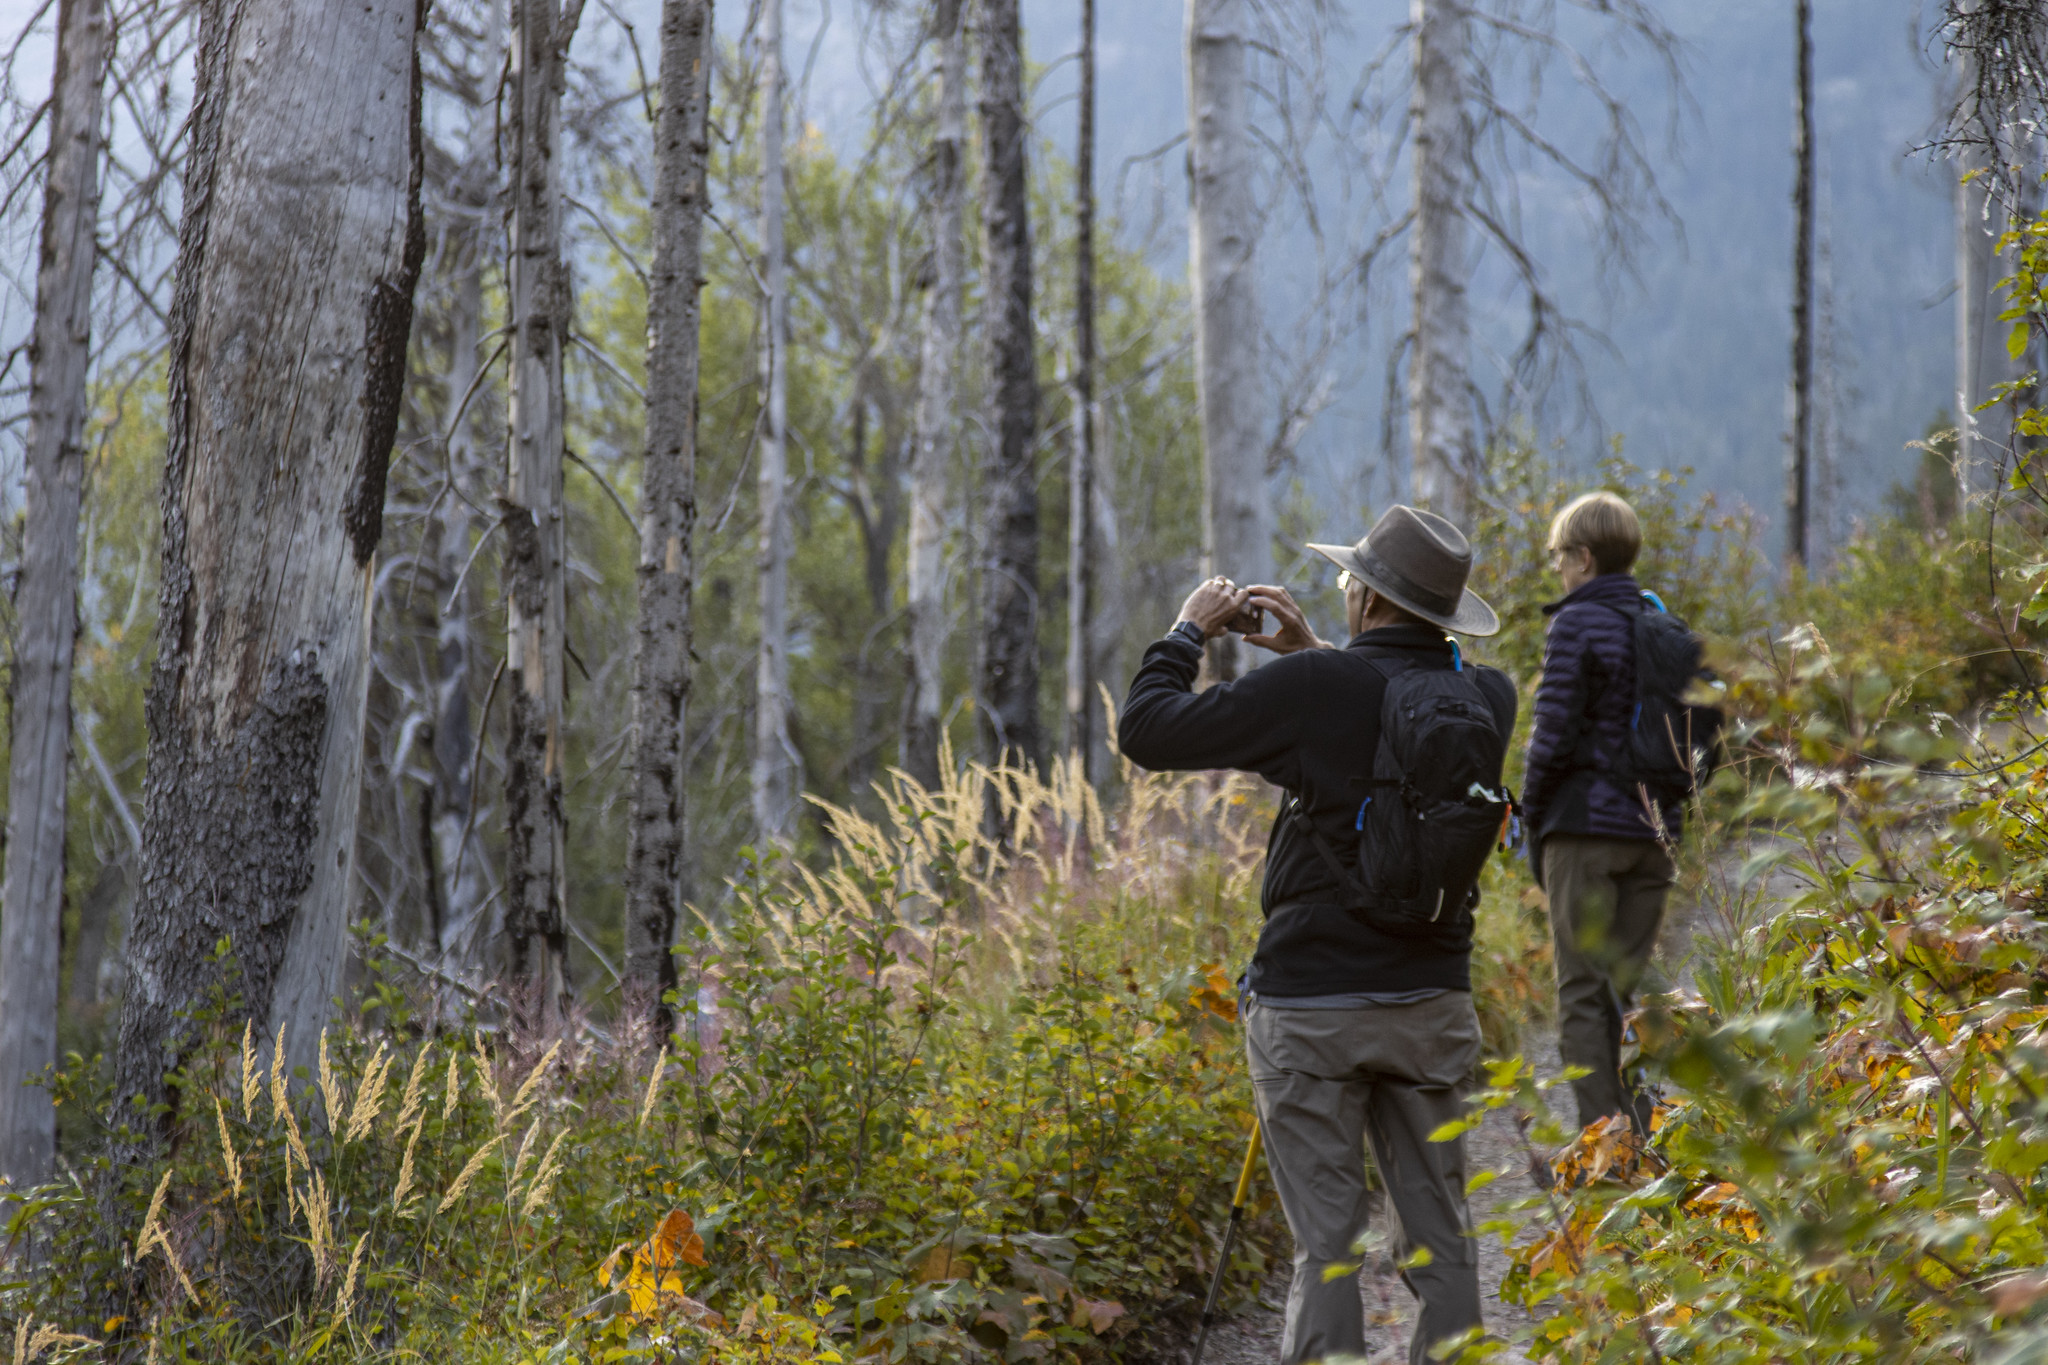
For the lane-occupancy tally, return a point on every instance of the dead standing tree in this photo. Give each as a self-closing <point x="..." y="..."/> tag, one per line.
<point x="1082" y="575"/>
<point x="301" y="242"/>
<point x="536" y="871"/>
<point x="1223" y="228"/>
<point x="1007" y="659"/>
<point x="458" y="892"/>
<point x="774" y="768"/>
<point x="668" y="510"/>
<point x="1443" y="454"/>
<point x="1799" y="452"/>
<point x="1466" y="133"/>
<point x="937" y="383"/>
<point x="46" y="596"/>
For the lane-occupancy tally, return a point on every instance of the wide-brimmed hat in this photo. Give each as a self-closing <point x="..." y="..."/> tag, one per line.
<point x="1420" y="562"/>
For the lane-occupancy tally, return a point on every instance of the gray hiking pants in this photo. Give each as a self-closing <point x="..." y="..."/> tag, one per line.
<point x="1606" y="905"/>
<point x="1330" y="1081"/>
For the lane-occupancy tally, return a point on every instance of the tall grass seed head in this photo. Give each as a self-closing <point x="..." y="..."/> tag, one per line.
<point x="467" y="1174"/>
<point x="250" y="1086"/>
<point x="369" y="1094"/>
<point x="330" y="1091"/>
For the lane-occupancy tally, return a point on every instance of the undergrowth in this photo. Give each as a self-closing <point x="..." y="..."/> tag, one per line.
<point x="1851" y="1160"/>
<point x="944" y="1100"/>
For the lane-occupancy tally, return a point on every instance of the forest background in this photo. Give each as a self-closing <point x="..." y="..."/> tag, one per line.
<point x="889" y="991"/>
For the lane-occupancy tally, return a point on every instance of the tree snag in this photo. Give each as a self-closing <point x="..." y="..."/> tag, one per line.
<point x="297" y="256"/>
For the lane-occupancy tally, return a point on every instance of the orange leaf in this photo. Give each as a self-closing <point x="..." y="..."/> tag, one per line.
<point x="676" y="1239"/>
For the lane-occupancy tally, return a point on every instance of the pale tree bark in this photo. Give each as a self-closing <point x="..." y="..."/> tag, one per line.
<point x="1080" y="709"/>
<point x="458" y="852"/>
<point x="1106" y="601"/>
<point x="1007" y="663"/>
<point x="46" y="598"/>
<point x="1237" y="522"/>
<point x="1443" y="455"/>
<point x="1799" y="455"/>
<point x="536" y="631"/>
<point x="774" y="770"/>
<point x="656" y="853"/>
<point x="299" y="249"/>
<point x="932" y="457"/>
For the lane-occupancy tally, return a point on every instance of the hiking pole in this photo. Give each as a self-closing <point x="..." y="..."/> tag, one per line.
<point x="1237" y="1203"/>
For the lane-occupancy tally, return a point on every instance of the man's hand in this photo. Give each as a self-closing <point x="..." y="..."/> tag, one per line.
<point x="1213" y="606"/>
<point x="1292" y="633"/>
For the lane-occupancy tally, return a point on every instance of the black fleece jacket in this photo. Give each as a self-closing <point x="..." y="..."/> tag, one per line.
<point x="1309" y="723"/>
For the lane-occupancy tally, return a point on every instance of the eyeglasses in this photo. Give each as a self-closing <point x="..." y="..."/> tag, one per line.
<point x="1345" y="578"/>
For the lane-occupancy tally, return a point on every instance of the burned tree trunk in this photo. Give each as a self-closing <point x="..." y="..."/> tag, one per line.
<point x="774" y="774"/>
<point x="32" y="897"/>
<point x="1798" y="458"/>
<point x="668" y="511"/>
<point x="536" y="616"/>
<point x="1237" y="525"/>
<point x="1080" y="711"/>
<point x="299" y="249"/>
<point x="932" y="457"/>
<point x="1443" y="455"/>
<point x="1008" y="656"/>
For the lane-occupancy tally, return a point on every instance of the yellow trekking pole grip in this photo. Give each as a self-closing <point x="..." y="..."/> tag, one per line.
<point x="1251" y="1159"/>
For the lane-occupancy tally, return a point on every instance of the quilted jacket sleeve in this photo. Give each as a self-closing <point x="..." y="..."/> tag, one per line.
<point x="1558" y="721"/>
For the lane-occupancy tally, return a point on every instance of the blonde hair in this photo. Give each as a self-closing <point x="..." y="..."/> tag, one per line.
<point x="1602" y="523"/>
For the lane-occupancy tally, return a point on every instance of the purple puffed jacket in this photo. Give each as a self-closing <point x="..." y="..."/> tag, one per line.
<point x="1583" y="709"/>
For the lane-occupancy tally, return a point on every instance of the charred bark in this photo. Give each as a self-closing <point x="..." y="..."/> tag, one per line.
<point x="46" y="598"/>
<point x="1081" y="718"/>
<point x="1799" y="456"/>
<point x="1007" y="664"/>
<point x="299" y="249"/>
<point x="536" y="873"/>
<point x="655" y="858"/>
<point x="932" y="458"/>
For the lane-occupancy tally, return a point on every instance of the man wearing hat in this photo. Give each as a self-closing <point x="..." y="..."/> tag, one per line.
<point x="1354" y="1034"/>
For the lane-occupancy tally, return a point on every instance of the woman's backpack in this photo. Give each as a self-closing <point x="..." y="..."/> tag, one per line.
<point x="1434" y="806"/>
<point x="1673" y="744"/>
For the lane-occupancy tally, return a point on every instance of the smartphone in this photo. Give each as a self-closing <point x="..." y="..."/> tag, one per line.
<point x="1250" y="621"/>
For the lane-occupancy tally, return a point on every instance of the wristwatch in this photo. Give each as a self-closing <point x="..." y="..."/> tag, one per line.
<point x="1189" y="631"/>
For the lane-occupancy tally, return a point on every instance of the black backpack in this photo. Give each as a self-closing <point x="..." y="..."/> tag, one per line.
<point x="1434" y="806"/>
<point x="1673" y="744"/>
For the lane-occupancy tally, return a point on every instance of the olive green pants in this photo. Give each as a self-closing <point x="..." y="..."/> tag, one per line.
<point x="1606" y="906"/>
<point x="1328" y="1083"/>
